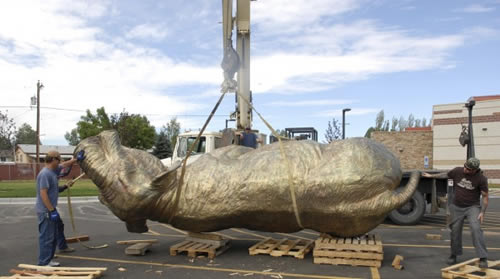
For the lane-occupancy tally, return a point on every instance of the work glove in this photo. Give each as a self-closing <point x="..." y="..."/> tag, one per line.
<point x="80" y="156"/>
<point x="54" y="215"/>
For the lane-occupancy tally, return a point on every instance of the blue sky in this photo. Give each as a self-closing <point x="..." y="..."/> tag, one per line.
<point x="309" y="59"/>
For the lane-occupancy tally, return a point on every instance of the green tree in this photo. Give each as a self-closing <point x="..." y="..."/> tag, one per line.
<point x="172" y="130"/>
<point x="333" y="131"/>
<point x="394" y="124"/>
<point x="379" y="121"/>
<point x="368" y="133"/>
<point x="135" y="130"/>
<point x="92" y="124"/>
<point x="162" y="148"/>
<point x="26" y="135"/>
<point x="72" y="137"/>
<point x="7" y="131"/>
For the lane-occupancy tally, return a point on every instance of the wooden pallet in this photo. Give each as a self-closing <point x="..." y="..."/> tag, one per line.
<point x="470" y="269"/>
<point x="195" y="248"/>
<point x="282" y="247"/>
<point x="44" y="272"/>
<point x="363" y="251"/>
<point x="138" y="249"/>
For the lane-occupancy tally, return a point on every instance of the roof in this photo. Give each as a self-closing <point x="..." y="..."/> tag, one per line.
<point x="195" y="133"/>
<point x="31" y="148"/>
<point x="486" y="98"/>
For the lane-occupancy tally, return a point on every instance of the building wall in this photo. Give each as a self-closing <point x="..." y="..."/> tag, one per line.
<point x="446" y="122"/>
<point x="410" y="147"/>
<point x="22" y="157"/>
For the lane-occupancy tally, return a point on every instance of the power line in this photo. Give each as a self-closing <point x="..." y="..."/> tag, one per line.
<point x="155" y="114"/>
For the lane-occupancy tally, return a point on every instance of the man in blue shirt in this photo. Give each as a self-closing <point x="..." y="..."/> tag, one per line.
<point x="249" y="139"/>
<point x="47" y="194"/>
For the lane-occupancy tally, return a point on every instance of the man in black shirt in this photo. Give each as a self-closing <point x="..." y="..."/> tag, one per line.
<point x="469" y="184"/>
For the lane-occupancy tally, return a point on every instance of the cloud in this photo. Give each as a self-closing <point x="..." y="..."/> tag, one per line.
<point x="148" y="31"/>
<point x="476" y="8"/>
<point x="309" y="103"/>
<point x="323" y="56"/>
<point x="85" y="67"/>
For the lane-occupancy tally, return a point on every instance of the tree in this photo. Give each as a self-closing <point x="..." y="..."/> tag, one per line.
<point x="135" y="130"/>
<point x="402" y="123"/>
<point x="394" y="124"/>
<point x="162" y="148"/>
<point x="72" y="137"/>
<point x="7" y="132"/>
<point x="417" y="122"/>
<point x="424" y="122"/>
<point x="333" y="131"/>
<point x="91" y="125"/>
<point x="172" y="130"/>
<point x="379" y="121"/>
<point x="368" y="133"/>
<point x="411" y="120"/>
<point x="386" y="126"/>
<point x="26" y="135"/>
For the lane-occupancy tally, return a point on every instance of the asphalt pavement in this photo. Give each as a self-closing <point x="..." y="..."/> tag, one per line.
<point x="422" y="258"/>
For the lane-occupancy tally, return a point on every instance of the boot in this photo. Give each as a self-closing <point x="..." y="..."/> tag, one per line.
<point x="483" y="263"/>
<point x="452" y="260"/>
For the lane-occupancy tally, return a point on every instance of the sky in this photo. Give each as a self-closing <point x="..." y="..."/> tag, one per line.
<point x="309" y="60"/>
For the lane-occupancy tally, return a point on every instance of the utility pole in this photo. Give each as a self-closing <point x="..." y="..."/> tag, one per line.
<point x="343" y="121"/>
<point x="39" y="86"/>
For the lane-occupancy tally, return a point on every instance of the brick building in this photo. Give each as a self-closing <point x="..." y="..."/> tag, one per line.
<point x="413" y="146"/>
<point x="447" y="123"/>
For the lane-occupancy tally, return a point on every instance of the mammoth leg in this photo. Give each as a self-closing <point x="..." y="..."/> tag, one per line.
<point x="137" y="226"/>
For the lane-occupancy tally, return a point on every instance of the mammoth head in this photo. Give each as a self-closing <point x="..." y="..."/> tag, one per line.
<point x="130" y="181"/>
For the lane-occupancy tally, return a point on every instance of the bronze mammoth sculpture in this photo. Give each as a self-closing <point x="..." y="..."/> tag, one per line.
<point x="345" y="188"/>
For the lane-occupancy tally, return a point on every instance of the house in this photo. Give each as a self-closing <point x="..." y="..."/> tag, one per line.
<point x="26" y="153"/>
<point x="6" y="156"/>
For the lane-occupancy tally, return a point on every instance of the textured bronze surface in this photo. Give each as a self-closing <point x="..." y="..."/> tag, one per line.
<point x="345" y="188"/>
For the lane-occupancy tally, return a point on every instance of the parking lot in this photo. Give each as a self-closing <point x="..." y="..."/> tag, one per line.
<point x="422" y="258"/>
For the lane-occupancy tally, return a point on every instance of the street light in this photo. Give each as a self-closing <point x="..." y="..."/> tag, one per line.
<point x="343" y="121"/>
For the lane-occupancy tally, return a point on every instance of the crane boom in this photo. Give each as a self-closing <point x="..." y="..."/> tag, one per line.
<point x="237" y="61"/>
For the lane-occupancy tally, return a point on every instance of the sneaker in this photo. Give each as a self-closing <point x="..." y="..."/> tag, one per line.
<point x="452" y="260"/>
<point x="483" y="263"/>
<point x="67" y="250"/>
<point x="53" y="264"/>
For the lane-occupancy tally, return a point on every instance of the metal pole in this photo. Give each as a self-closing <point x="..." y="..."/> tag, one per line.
<point x="470" y="145"/>
<point x="38" y="87"/>
<point x="343" y="121"/>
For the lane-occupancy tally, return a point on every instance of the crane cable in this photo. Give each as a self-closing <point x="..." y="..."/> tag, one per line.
<point x="70" y="210"/>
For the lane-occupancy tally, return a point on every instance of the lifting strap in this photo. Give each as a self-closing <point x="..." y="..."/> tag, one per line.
<point x="70" y="209"/>
<point x="178" y="190"/>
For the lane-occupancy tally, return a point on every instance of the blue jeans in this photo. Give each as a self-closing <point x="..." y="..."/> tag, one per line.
<point x="47" y="238"/>
<point x="51" y="235"/>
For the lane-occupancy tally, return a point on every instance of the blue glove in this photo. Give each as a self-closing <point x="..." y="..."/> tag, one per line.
<point x="80" y="156"/>
<point x="54" y="215"/>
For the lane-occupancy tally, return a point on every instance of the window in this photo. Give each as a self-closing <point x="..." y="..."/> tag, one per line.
<point x="186" y="143"/>
<point x="218" y="142"/>
<point x="3" y="159"/>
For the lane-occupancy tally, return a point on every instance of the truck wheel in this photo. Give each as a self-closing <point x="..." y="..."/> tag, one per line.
<point x="411" y="212"/>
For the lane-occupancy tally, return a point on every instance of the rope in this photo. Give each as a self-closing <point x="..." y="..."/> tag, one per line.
<point x="285" y="158"/>
<point x="184" y="162"/>
<point x="70" y="209"/>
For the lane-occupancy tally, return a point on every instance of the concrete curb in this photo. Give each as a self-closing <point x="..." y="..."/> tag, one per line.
<point x="62" y="200"/>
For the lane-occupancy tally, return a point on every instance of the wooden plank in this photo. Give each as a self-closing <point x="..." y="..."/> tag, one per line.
<point x="396" y="263"/>
<point x="467" y="268"/>
<point x="46" y="277"/>
<point x="137" y="241"/>
<point x="375" y="274"/>
<point x="138" y="248"/>
<point x="79" y="238"/>
<point x="348" y="255"/>
<point x="94" y="274"/>
<point x="353" y="262"/>
<point x="37" y="267"/>
<point x="252" y="250"/>
<point x="207" y="236"/>
<point x="431" y="236"/>
<point x="208" y="241"/>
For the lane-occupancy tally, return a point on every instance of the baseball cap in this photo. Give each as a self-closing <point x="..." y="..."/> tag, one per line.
<point x="472" y="163"/>
<point x="54" y="154"/>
